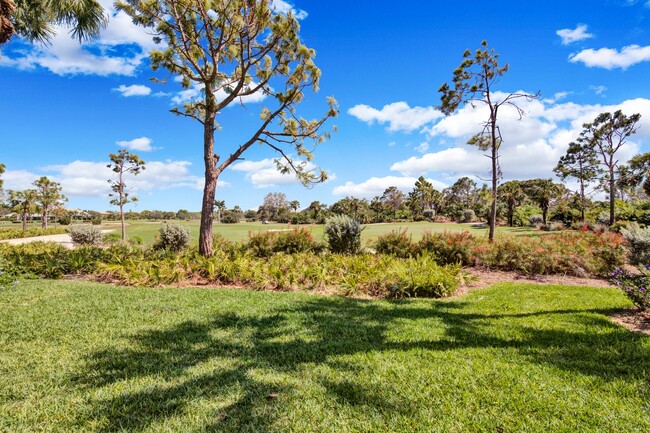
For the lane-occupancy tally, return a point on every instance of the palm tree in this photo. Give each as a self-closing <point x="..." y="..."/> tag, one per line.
<point x="23" y="202"/>
<point x="35" y="19"/>
<point x="220" y="205"/>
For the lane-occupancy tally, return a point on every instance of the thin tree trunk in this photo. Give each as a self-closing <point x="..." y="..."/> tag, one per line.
<point x="121" y="195"/>
<point x="582" y="200"/>
<point x="44" y="219"/>
<point x="210" y="188"/>
<point x="495" y="174"/>
<point x="612" y="195"/>
<point x="24" y="221"/>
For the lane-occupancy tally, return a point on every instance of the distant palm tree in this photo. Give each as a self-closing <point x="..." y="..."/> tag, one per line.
<point x="220" y="205"/>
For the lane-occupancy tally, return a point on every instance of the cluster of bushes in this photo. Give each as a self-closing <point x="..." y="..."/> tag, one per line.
<point x="569" y="252"/>
<point x="233" y="264"/>
<point x="31" y="232"/>
<point x="635" y="286"/>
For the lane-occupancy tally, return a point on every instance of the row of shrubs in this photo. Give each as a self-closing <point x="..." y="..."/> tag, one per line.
<point x="569" y="252"/>
<point x="31" y="232"/>
<point x="366" y="274"/>
<point x="579" y="253"/>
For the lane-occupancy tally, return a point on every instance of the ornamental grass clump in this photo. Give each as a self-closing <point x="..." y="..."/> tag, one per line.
<point x="638" y="243"/>
<point x="635" y="286"/>
<point x="343" y="235"/>
<point x="86" y="235"/>
<point x="173" y="237"/>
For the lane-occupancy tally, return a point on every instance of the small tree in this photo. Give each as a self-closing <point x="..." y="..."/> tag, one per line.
<point x="393" y="199"/>
<point x="473" y="83"/>
<point x="229" y="49"/>
<point x="123" y="163"/>
<point x="606" y="135"/>
<point x="513" y="195"/>
<point x="23" y="202"/>
<point x="48" y="195"/>
<point x="294" y="205"/>
<point x="221" y="206"/>
<point x="640" y="172"/>
<point x="581" y="163"/>
<point x="544" y="192"/>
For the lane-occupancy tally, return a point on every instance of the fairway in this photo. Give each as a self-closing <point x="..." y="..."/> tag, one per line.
<point x="80" y="356"/>
<point x="239" y="232"/>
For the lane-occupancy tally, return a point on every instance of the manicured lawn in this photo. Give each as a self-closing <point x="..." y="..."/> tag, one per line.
<point x="79" y="356"/>
<point x="239" y="232"/>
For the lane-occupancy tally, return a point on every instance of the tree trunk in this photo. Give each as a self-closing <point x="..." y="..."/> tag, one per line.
<point x="210" y="188"/>
<point x="44" y="219"/>
<point x="582" y="200"/>
<point x="495" y="175"/>
<point x="121" y="195"/>
<point x="24" y="221"/>
<point x="612" y="195"/>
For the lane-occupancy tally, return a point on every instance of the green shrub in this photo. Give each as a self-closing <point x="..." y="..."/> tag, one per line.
<point x="295" y="241"/>
<point x="265" y="244"/>
<point x="111" y="238"/>
<point x="7" y="278"/>
<point x="96" y="221"/>
<point x="343" y="235"/>
<point x="396" y="243"/>
<point x="261" y="243"/>
<point x="173" y="237"/>
<point x="535" y="220"/>
<point x="32" y="232"/>
<point x="449" y="248"/>
<point x="636" y="287"/>
<point x="136" y="240"/>
<point x="85" y="235"/>
<point x="469" y="216"/>
<point x="639" y="244"/>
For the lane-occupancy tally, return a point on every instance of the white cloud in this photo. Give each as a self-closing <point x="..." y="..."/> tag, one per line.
<point x="377" y="185"/>
<point x="557" y="97"/>
<point x="264" y="174"/>
<point x="610" y="58"/>
<point x="531" y="147"/>
<point x="284" y="7"/>
<point x="570" y="36"/>
<point x="89" y="179"/>
<point x="599" y="90"/>
<point x="142" y="144"/>
<point x="422" y="147"/>
<point x="398" y="115"/>
<point x="133" y="90"/>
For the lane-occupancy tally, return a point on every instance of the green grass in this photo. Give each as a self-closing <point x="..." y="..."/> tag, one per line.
<point x="79" y="356"/>
<point x="239" y="232"/>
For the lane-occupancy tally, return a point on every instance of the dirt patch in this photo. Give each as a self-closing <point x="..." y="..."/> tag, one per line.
<point x="633" y="319"/>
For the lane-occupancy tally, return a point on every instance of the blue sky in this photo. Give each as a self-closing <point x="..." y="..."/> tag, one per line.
<point x="65" y="107"/>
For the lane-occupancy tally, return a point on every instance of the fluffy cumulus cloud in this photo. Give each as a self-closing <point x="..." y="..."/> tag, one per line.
<point x="570" y="36"/>
<point x="133" y="90"/>
<point x="531" y="146"/>
<point x="119" y="50"/>
<point x="264" y="174"/>
<point x="89" y="179"/>
<point x="284" y="7"/>
<point x="142" y="144"/>
<point x="398" y="115"/>
<point x="377" y="185"/>
<point x="609" y="58"/>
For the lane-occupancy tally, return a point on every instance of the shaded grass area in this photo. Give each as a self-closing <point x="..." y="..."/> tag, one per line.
<point x="79" y="356"/>
<point x="239" y="232"/>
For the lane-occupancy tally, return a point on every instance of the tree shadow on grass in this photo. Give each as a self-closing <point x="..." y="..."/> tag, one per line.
<point x="214" y="360"/>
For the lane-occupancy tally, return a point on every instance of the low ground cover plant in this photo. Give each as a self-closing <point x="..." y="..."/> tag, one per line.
<point x="31" y="232"/>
